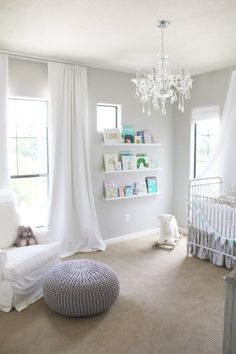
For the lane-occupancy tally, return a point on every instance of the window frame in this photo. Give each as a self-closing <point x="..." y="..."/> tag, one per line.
<point x="118" y="114"/>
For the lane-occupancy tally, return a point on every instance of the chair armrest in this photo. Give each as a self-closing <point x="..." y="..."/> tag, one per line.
<point x="3" y="258"/>
<point x="3" y="261"/>
<point x="42" y="235"/>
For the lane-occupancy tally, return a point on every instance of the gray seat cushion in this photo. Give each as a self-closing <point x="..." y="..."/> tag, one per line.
<point x="80" y="288"/>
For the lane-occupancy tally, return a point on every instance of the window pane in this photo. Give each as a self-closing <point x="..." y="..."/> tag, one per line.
<point x="32" y="156"/>
<point x="30" y="116"/>
<point x="206" y="141"/>
<point x="28" y="155"/>
<point x="32" y="196"/>
<point x="12" y="157"/>
<point x="106" y="117"/>
<point x="11" y="119"/>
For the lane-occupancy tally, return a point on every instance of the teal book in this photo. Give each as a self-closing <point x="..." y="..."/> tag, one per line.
<point x="151" y="184"/>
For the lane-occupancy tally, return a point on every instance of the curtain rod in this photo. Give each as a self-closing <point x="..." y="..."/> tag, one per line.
<point x="39" y="59"/>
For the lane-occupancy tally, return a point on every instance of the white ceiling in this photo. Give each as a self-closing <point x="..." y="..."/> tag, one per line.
<point x="121" y="34"/>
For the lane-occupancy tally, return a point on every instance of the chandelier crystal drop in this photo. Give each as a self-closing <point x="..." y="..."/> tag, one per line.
<point x="160" y="85"/>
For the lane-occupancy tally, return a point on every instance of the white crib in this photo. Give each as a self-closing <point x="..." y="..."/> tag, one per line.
<point x="211" y="222"/>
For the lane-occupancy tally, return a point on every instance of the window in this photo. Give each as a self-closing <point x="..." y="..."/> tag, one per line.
<point x="108" y="116"/>
<point x="28" y="157"/>
<point x="205" y="139"/>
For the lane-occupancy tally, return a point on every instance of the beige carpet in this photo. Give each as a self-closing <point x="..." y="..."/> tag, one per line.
<point x="168" y="304"/>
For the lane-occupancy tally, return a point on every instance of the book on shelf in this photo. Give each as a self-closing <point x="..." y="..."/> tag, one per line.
<point x="154" y="164"/>
<point x="129" y="139"/>
<point x="141" y="134"/>
<point x="138" y="139"/>
<point x="110" y="162"/>
<point x="129" y="162"/>
<point x="129" y="190"/>
<point x="147" y="137"/>
<point x="126" y="153"/>
<point x="127" y="130"/>
<point x="140" y="188"/>
<point x="118" y="166"/>
<point x="151" y="184"/>
<point x="121" y="191"/>
<point x="110" y="189"/>
<point x="112" y="136"/>
<point x="143" y="161"/>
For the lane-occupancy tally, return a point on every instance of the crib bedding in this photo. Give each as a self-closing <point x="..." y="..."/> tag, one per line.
<point x="206" y="246"/>
<point x="218" y="215"/>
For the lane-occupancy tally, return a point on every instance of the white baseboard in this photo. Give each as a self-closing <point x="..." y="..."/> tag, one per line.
<point x="133" y="236"/>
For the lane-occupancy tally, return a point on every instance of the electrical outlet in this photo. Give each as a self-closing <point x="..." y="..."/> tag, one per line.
<point x="127" y="217"/>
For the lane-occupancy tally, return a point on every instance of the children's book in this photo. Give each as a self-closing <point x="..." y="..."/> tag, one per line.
<point x="151" y="184"/>
<point x="110" y="189"/>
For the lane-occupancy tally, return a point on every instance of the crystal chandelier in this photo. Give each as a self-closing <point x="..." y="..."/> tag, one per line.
<point x="160" y="84"/>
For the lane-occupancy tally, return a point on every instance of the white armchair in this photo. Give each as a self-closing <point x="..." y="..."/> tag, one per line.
<point x="22" y="268"/>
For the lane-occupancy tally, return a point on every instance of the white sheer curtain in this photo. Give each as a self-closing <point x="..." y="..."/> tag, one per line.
<point x="224" y="154"/>
<point x="4" y="176"/>
<point x="227" y="144"/>
<point x="72" y="216"/>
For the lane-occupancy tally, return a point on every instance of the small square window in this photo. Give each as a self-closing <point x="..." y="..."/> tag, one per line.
<point x="108" y="116"/>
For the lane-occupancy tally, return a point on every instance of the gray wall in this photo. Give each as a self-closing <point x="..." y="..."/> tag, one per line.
<point x="29" y="79"/>
<point x="115" y="87"/>
<point x="208" y="89"/>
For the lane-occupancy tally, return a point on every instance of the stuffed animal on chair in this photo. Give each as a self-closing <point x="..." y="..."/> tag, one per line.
<point x="25" y="237"/>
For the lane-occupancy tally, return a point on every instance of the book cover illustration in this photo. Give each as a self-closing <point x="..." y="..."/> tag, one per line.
<point x="129" y="162"/>
<point x="140" y="188"/>
<point x="143" y="161"/>
<point x="110" y="162"/>
<point x="110" y="189"/>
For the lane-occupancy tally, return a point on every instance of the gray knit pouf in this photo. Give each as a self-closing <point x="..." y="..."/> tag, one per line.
<point x="80" y="288"/>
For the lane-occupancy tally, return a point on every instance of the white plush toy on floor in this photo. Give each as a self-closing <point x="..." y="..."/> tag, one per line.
<point x="169" y="230"/>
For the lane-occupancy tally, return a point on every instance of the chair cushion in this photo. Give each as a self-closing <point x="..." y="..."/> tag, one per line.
<point x="9" y="219"/>
<point x="23" y="260"/>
